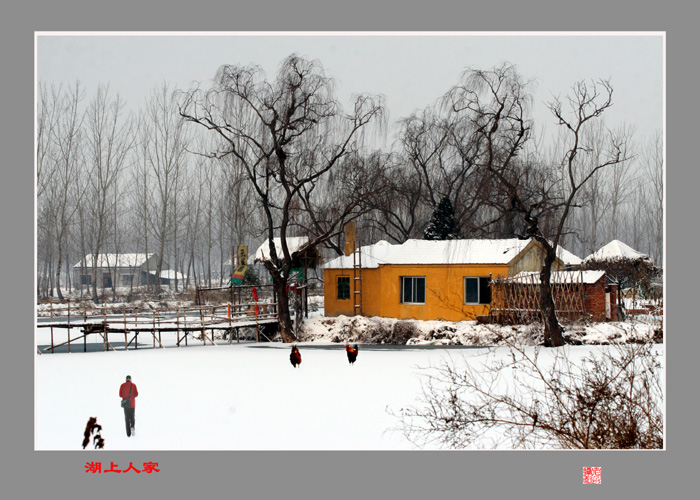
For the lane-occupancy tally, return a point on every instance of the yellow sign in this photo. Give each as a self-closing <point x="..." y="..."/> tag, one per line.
<point x="242" y="255"/>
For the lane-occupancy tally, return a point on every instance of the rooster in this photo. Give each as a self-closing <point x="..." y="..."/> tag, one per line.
<point x="352" y="352"/>
<point x="295" y="357"/>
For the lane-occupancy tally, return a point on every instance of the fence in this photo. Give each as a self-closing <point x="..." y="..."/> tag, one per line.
<point x="132" y="321"/>
<point x="516" y="300"/>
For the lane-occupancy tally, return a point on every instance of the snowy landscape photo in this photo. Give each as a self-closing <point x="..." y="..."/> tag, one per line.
<point x="350" y="242"/>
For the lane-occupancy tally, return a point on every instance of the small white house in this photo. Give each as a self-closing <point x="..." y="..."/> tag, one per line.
<point x="124" y="269"/>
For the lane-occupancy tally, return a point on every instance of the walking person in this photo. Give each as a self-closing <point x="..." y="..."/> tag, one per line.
<point x="128" y="391"/>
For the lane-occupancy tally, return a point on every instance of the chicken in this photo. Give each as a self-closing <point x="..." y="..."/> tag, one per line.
<point x="352" y="352"/>
<point x="295" y="357"/>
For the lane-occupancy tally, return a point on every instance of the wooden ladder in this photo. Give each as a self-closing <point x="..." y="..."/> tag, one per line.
<point x="357" y="279"/>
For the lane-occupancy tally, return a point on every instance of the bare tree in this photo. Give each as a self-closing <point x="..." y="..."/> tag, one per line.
<point x="46" y="115"/>
<point x="65" y="186"/>
<point x="652" y="160"/>
<point x="397" y="212"/>
<point x="541" y="193"/>
<point x="594" y="200"/>
<point x="108" y="142"/>
<point x="141" y="195"/>
<point x="163" y="144"/>
<point x="342" y="195"/>
<point x="47" y="112"/>
<point x="58" y="163"/>
<point x="193" y="208"/>
<point x="287" y="134"/>
<point x="607" y="400"/>
<point x="620" y="181"/>
<point x="441" y="149"/>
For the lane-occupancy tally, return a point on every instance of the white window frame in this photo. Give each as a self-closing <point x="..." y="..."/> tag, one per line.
<point x="413" y="290"/>
<point x="478" y="290"/>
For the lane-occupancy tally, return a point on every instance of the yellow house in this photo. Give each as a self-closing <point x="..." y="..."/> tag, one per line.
<point x="427" y="280"/>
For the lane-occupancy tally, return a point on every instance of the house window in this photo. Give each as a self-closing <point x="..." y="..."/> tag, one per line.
<point x="477" y="290"/>
<point x="343" y="287"/>
<point x="413" y="289"/>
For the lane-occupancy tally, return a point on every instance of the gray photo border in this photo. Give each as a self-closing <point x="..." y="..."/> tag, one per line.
<point x="339" y="474"/>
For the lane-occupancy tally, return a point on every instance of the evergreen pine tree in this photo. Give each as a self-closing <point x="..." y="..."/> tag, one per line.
<point x="442" y="225"/>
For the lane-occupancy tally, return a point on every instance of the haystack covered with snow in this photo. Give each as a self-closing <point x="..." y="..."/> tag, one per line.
<point x="616" y="250"/>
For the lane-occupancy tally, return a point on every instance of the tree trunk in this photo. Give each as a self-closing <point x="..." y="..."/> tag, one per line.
<point x="58" y="273"/>
<point x="279" y="283"/>
<point x="553" y="332"/>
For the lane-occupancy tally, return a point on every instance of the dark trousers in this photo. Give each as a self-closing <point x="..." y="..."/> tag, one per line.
<point x="130" y="420"/>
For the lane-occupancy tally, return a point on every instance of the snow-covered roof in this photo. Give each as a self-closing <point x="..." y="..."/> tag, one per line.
<point x="616" y="250"/>
<point x="442" y="252"/>
<point x="435" y="252"/>
<point x="568" y="257"/>
<point x="131" y="260"/>
<point x="585" y="277"/>
<point x="294" y="244"/>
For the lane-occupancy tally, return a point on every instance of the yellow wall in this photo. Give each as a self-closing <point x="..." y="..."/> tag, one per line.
<point x="444" y="284"/>
<point x="444" y="296"/>
<point x="370" y="294"/>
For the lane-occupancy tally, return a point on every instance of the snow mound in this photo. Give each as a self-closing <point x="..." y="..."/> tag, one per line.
<point x="616" y="250"/>
<point x="377" y="330"/>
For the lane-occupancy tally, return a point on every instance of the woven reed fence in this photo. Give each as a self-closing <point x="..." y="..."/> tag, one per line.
<point x="516" y="300"/>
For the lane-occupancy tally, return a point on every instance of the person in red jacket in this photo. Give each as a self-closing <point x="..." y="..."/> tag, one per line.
<point x="129" y="391"/>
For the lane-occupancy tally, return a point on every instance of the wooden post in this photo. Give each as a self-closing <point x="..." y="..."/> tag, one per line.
<point x="201" y="318"/>
<point x="305" y="291"/>
<point x="230" y="330"/>
<point x="154" y="329"/>
<point x="104" y="318"/>
<point x="125" y="339"/>
<point x="136" y="322"/>
<point x="85" y="336"/>
<point x="51" y="312"/>
<point x="177" y="325"/>
<point x="68" y="325"/>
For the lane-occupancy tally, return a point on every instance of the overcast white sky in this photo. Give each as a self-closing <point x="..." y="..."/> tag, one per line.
<point x="410" y="69"/>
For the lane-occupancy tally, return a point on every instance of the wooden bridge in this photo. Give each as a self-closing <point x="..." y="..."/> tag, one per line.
<point x="201" y="320"/>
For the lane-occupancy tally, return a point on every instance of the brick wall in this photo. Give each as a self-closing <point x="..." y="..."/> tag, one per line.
<point x="594" y="300"/>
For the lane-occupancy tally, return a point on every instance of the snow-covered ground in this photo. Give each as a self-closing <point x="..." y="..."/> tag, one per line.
<point x="248" y="396"/>
<point x="470" y="333"/>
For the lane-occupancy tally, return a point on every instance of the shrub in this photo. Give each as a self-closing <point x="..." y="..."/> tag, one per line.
<point x="610" y="400"/>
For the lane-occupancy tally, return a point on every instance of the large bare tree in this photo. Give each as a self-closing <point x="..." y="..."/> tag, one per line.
<point x="163" y="146"/>
<point x="397" y="212"/>
<point x="540" y="192"/>
<point x="64" y="186"/>
<point x="652" y="160"/>
<point x="288" y="134"/>
<point x="109" y="140"/>
<point x="442" y="152"/>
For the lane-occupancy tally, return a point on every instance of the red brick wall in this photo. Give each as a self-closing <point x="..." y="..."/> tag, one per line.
<point x="594" y="300"/>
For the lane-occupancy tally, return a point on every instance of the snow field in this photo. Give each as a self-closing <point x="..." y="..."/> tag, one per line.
<point x="237" y="397"/>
